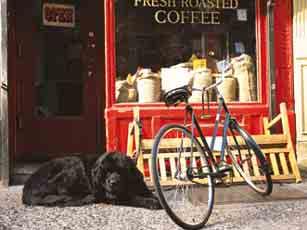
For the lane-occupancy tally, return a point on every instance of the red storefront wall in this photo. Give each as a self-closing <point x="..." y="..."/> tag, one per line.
<point x="153" y="116"/>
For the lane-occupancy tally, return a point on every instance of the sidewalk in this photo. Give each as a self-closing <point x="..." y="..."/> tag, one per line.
<point x="236" y="207"/>
<point x="243" y="194"/>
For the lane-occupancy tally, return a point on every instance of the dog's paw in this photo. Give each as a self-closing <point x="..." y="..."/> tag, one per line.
<point x="89" y="199"/>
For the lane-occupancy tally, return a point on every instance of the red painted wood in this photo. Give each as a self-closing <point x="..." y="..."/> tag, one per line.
<point x="284" y="60"/>
<point x="109" y="52"/>
<point x="153" y="116"/>
<point x="262" y="70"/>
<point x="284" y="53"/>
<point x="52" y="136"/>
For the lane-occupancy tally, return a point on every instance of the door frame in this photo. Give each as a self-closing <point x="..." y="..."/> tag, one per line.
<point x="8" y="110"/>
<point x="4" y="118"/>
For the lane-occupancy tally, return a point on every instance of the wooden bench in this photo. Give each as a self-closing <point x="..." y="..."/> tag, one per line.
<point x="278" y="149"/>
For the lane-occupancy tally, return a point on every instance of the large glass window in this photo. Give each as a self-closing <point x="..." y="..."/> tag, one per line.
<point x="163" y="44"/>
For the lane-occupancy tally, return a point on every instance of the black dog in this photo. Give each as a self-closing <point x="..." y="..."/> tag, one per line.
<point x="74" y="181"/>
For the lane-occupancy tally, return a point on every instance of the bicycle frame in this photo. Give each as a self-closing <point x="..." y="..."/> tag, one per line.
<point x="227" y="122"/>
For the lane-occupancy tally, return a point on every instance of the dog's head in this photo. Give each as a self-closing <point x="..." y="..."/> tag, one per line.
<point x="109" y="180"/>
<point x="114" y="185"/>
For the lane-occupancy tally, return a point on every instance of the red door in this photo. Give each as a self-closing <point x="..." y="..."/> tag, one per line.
<point x="57" y="77"/>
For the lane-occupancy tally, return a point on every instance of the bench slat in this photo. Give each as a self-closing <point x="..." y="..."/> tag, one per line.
<point x="255" y="166"/>
<point x="284" y="164"/>
<point x="263" y="140"/>
<point x="274" y="164"/>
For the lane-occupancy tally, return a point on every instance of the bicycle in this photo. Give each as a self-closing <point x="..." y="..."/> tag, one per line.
<point x="189" y="201"/>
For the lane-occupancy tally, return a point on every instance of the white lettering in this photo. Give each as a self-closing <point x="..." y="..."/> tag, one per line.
<point x="136" y="2"/>
<point x="161" y="13"/>
<point x="173" y="17"/>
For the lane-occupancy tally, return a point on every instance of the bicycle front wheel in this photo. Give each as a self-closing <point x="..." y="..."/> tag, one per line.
<point x="180" y="174"/>
<point x="249" y="161"/>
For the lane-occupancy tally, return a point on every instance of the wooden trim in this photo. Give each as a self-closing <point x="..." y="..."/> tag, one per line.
<point x="130" y="139"/>
<point x="274" y="121"/>
<point x="4" y="117"/>
<point x="109" y="52"/>
<point x="262" y="47"/>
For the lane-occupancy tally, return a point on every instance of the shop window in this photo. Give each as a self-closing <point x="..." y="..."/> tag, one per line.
<point x="163" y="44"/>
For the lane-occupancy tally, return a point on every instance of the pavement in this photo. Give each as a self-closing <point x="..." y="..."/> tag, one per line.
<point x="236" y="207"/>
<point x="281" y="191"/>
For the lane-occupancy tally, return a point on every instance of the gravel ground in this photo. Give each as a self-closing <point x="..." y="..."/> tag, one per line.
<point x="14" y="215"/>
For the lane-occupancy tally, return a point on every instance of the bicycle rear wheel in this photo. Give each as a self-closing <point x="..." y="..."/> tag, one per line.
<point x="178" y="162"/>
<point x="249" y="160"/>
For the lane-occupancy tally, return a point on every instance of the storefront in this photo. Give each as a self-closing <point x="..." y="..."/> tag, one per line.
<point x="71" y="69"/>
<point x="153" y="46"/>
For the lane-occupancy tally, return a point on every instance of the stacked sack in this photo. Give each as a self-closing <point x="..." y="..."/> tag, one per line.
<point x="244" y="72"/>
<point x="202" y="78"/>
<point x="149" y="86"/>
<point x="126" y="90"/>
<point x="144" y="87"/>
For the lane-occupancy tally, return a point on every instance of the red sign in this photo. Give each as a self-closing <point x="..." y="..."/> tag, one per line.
<point x="58" y="15"/>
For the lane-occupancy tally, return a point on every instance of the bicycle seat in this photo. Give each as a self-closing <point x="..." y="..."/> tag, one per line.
<point x="175" y="96"/>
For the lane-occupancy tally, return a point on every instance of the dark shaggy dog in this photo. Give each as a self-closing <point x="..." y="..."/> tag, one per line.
<point x="74" y="181"/>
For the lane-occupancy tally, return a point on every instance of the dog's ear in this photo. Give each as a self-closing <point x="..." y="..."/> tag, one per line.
<point x="98" y="177"/>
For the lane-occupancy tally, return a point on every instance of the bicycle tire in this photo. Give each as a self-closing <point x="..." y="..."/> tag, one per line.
<point x="249" y="161"/>
<point x="193" y="212"/>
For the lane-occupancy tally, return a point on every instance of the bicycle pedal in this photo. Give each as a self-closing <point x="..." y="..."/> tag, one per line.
<point x="228" y="179"/>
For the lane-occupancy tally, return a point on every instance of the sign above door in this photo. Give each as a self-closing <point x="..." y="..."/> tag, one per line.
<point x="58" y="15"/>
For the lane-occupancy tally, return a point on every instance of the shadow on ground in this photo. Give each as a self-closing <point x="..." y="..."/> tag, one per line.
<point x="244" y="194"/>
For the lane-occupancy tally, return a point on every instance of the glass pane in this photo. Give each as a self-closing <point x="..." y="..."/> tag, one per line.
<point x="60" y="83"/>
<point x="161" y="45"/>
